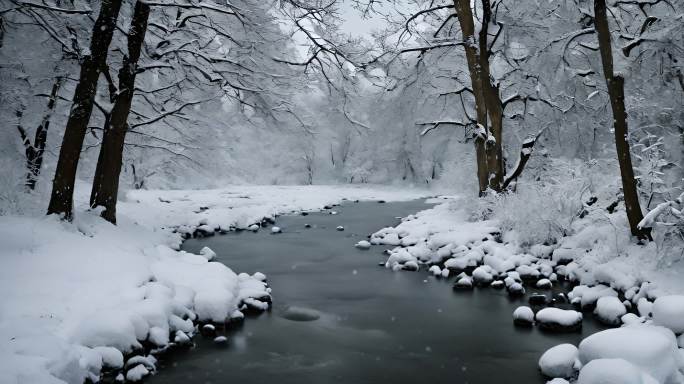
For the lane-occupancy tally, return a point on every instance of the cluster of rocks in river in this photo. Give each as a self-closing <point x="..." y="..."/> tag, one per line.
<point x="546" y="276"/>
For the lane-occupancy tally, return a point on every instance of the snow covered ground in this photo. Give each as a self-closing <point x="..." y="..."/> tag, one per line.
<point x="611" y="274"/>
<point x="78" y="298"/>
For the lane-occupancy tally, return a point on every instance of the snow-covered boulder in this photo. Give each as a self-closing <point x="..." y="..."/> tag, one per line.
<point x="464" y="283"/>
<point x="435" y="270"/>
<point x="363" y="244"/>
<point x="253" y="228"/>
<point x="609" y="310"/>
<point x="482" y="275"/>
<point x="221" y="340"/>
<point x="560" y="361"/>
<point x="652" y="349"/>
<point x="523" y="316"/>
<point x="497" y="284"/>
<point x="556" y="319"/>
<point x="137" y="373"/>
<point x="613" y="371"/>
<point x="516" y="289"/>
<point x="410" y="265"/>
<point x="668" y="311"/>
<point x="544" y="284"/>
<point x="276" y="230"/>
<point x="644" y="307"/>
<point x="587" y="296"/>
<point x="340" y="228"/>
<point x="208" y="253"/>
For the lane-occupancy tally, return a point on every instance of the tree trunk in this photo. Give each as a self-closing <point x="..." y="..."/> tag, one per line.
<point x="61" y="201"/>
<point x="35" y="162"/>
<point x="616" y="92"/>
<point x="494" y="106"/>
<point x="106" y="181"/>
<point x="475" y="69"/>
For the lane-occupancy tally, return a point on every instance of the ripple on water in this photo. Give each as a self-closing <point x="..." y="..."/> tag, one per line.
<point x="301" y="314"/>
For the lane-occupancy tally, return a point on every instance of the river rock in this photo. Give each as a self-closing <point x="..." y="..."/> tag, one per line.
<point x="523" y="316"/>
<point x="340" y="228"/>
<point x="609" y="310"/>
<point x="559" y="320"/>
<point x="560" y="361"/>
<point x="220" y="340"/>
<point x="538" y="299"/>
<point x="253" y="227"/>
<point x="497" y="284"/>
<point x="544" y="284"/>
<point x="275" y="230"/>
<point x="208" y="253"/>
<point x="464" y="283"/>
<point x="516" y="290"/>
<point x="410" y="266"/>
<point x="363" y="244"/>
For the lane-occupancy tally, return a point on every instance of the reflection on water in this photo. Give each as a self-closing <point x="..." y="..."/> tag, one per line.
<point x="338" y="317"/>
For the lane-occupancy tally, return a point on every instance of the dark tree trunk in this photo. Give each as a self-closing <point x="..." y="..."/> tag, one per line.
<point x="106" y="181"/>
<point x="465" y="18"/>
<point x="61" y="201"/>
<point x="616" y="92"/>
<point x="34" y="151"/>
<point x="494" y="106"/>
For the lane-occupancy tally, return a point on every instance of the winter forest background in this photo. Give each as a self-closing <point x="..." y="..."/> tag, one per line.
<point x="319" y="92"/>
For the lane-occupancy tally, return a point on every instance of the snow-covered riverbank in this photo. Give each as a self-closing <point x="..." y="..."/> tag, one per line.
<point x="597" y="255"/>
<point x="78" y="296"/>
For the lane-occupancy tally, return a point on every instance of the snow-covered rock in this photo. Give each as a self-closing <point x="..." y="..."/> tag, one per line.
<point x="668" y="311"/>
<point x="652" y="349"/>
<point x="363" y="244"/>
<point x="410" y="265"/>
<point x="556" y="319"/>
<point x="137" y="373"/>
<point x="482" y="275"/>
<point x="587" y="296"/>
<point x="516" y="289"/>
<point x="340" y="228"/>
<point x="613" y="371"/>
<point x="220" y="340"/>
<point x="275" y="229"/>
<point x="609" y="310"/>
<point x="208" y="253"/>
<point x="435" y="270"/>
<point x="523" y="316"/>
<point x="464" y="283"/>
<point x="544" y="284"/>
<point x="253" y="227"/>
<point x="560" y="361"/>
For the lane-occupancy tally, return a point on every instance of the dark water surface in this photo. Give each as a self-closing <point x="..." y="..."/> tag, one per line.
<point x="373" y="325"/>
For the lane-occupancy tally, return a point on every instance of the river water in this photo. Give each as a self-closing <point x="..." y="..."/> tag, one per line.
<point x="338" y="317"/>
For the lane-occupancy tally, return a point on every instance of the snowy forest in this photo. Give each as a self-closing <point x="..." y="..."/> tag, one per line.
<point x="350" y="191"/>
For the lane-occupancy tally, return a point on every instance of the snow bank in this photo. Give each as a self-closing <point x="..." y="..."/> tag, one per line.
<point x="78" y="297"/>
